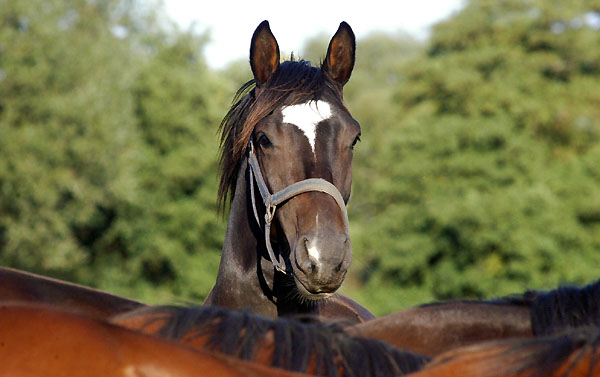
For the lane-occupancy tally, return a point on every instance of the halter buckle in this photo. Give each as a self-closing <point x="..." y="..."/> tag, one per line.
<point x="270" y="213"/>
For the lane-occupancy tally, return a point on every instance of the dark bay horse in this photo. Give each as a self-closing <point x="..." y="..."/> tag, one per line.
<point x="286" y="159"/>
<point x="306" y="346"/>
<point x="438" y="327"/>
<point x="46" y="342"/>
<point x="21" y="286"/>
<point x="434" y="328"/>
<point x="575" y="353"/>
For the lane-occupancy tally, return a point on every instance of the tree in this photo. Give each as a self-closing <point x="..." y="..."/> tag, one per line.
<point x="67" y="136"/>
<point x="108" y="149"/>
<point x="172" y="230"/>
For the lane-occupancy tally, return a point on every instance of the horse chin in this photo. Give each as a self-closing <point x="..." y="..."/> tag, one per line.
<point x="311" y="296"/>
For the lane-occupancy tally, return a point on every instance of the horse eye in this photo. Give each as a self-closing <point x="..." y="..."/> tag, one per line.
<point x="356" y="140"/>
<point x="264" y="141"/>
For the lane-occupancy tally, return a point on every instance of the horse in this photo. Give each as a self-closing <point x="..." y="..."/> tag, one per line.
<point x="16" y="285"/>
<point x="575" y="353"/>
<point x="437" y="327"/>
<point x="285" y="171"/>
<point x="302" y="344"/>
<point x="38" y="341"/>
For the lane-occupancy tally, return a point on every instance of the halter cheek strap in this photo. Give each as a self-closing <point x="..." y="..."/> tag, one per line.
<point x="272" y="200"/>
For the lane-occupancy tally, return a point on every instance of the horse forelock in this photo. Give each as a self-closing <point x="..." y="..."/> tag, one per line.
<point x="294" y="82"/>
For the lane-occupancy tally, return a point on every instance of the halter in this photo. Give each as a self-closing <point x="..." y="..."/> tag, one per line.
<point x="272" y="200"/>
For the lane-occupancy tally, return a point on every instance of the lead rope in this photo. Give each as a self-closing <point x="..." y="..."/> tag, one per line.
<point x="272" y="200"/>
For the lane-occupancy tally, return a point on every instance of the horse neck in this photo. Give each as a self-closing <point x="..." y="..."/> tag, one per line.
<point x="244" y="281"/>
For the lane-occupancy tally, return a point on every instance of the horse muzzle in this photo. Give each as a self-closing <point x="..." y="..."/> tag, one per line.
<point x="320" y="264"/>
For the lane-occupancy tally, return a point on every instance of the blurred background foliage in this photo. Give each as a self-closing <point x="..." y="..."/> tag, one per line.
<point x="478" y="174"/>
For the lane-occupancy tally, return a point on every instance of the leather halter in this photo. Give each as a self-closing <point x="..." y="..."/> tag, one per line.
<point x="272" y="200"/>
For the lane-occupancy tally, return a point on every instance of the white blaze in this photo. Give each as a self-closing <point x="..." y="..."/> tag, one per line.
<point x="313" y="252"/>
<point x="306" y="116"/>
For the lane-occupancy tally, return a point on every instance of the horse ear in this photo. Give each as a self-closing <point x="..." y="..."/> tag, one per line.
<point x="340" y="57"/>
<point x="264" y="53"/>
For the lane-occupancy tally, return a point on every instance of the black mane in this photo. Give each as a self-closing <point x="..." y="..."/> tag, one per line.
<point x="565" y="307"/>
<point x="293" y="82"/>
<point x="297" y="342"/>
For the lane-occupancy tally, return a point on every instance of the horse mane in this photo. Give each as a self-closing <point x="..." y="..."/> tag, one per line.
<point x="530" y="357"/>
<point x="294" y="82"/>
<point x="298" y="342"/>
<point x="565" y="307"/>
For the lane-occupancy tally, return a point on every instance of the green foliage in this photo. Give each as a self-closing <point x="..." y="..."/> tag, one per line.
<point x="477" y="175"/>
<point x="108" y="149"/>
<point x="66" y="132"/>
<point x="172" y="228"/>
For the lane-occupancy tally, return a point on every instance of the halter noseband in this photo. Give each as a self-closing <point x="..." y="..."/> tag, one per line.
<point x="272" y="200"/>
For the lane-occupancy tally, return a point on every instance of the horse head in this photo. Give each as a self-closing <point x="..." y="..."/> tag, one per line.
<point x="298" y="138"/>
